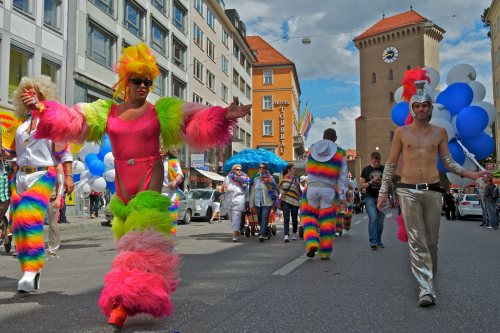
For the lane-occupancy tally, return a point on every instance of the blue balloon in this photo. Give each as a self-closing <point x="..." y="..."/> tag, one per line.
<point x="105" y="148"/>
<point x="456" y="97"/>
<point x="76" y="177"/>
<point x="456" y="152"/>
<point x="96" y="167"/>
<point x="481" y="146"/>
<point x="111" y="186"/>
<point x="89" y="158"/>
<point x="399" y="113"/>
<point x="440" y="166"/>
<point x="472" y="121"/>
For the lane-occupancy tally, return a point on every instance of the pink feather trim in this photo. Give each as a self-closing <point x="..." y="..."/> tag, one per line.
<point x="189" y="108"/>
<point x="208" y="128"/>
<point x="60" y="123"/>
<point x="402" y="236"/>
<point x="147" y="240"/>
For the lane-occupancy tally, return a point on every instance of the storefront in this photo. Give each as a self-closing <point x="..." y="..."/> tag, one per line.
<point x="204" y="178"/>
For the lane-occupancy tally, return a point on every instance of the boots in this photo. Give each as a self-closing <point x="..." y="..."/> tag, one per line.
<point x="118" y="316"/>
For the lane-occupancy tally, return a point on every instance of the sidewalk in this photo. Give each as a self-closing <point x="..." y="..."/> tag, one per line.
<point x="79" y="222"/>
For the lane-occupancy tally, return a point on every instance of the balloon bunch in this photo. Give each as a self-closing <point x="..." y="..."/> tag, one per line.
<point x="461" y="111"/>
<point x="96" y="168"/>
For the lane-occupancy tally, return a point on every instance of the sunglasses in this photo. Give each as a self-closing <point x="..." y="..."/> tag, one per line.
<point x="262" y="167"/>
<point x="137" y="82"/>
<point x="237" y="169"/>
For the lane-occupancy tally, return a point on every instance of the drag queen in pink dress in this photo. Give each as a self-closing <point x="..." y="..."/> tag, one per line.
<point x="144" y="272"/>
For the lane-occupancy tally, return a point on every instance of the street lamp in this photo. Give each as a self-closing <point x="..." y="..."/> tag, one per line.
<point x="334" y="122"/>
<point x="377" y="148"/>
<point x="306" y="40"/>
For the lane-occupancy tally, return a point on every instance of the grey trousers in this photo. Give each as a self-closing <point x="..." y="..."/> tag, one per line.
<point x="421" y="212"/>
<point x="54" y="238"/>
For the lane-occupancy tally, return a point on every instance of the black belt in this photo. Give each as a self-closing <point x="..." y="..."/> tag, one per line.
<point x="422" y="187"/>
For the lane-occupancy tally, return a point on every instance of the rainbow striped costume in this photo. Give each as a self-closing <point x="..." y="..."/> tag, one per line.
<point x="319" y="223"/>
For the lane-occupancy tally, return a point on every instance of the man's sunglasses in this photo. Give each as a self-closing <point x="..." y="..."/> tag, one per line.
<point x="137" y="82"/>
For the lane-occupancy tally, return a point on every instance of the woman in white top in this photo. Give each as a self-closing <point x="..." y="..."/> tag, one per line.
<point x="235" y="191"/>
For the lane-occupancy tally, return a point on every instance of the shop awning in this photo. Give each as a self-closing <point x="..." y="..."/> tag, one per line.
<point x="211" y="175"/>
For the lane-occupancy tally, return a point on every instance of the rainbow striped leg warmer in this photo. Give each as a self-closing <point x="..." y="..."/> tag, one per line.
<point x="348" y="217"/>
<point x="144" y="272"/>
<point x="326" y="230"/>
<point x="309" y="220"/>
<point x="174" y="210"/>
<point x="28" y="213"/>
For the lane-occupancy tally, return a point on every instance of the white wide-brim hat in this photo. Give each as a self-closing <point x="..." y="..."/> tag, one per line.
<point x="323" y="150"/>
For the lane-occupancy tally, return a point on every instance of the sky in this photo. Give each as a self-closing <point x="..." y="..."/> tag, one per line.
<point x="328" y="68"/>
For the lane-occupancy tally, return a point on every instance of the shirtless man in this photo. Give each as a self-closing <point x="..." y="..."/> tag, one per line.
<point x="420" y="193"/>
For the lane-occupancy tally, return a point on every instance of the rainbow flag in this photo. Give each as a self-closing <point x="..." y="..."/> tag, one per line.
<point x="311" y="123"/>
<point x="306" y="123"/>
<point x="302" y="118"/>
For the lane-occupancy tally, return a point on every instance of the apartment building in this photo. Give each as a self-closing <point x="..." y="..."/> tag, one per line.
<point x="33" y="41"/>
<point x="221" y="67"/>
<point x="493" y="19"/>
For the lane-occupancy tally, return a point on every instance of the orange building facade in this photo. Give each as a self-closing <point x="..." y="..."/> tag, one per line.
<point x="276" y="103"/>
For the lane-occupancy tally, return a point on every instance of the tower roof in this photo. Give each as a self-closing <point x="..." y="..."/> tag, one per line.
<point x="266" y="54"/>
<point x="393" y="22"/>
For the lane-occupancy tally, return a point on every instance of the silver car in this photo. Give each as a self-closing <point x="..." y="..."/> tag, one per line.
<point x="185" y="210"/>
<point x="203" y="201"/>
<point x="469" y="205"/>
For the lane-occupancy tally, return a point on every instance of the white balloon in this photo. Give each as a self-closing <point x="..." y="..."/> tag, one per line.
<point x="479" y="91"/>
<point x="439" y="111"/>
<point x="85" y="174"/>
<point x="457" y="180"/>
<point x="398" y="95"/>
<point x="490" y="109"/>
<point x="461" y="73"/>
<point x="84" y="190"/>
<point x="450" y="129"/>
<point x="488" y="131"/>
<point x="98" y="184"/>
<point x="454" y="123"/>
<point x="78" y="167"/>
<point x="433" y="75"/>
<point x="109" y="161"/>
<point x="109" y="175"/>
<point x="92" y="148"/>
<point x="83" y="153"/>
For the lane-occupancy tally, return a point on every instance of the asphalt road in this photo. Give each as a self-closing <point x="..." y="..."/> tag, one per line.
<point x="237" y="287"/>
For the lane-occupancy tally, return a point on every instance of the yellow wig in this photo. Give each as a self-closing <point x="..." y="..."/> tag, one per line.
<point x="137" y="60"/>
<point x="43" y="85"/>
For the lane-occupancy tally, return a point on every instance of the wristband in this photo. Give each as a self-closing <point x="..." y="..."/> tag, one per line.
<point x="69" y="175"/>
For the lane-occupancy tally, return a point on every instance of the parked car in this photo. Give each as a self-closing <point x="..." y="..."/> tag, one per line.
<point x="202" y="201"/>
<point x="468" y="205"/>
<point x="186" y="209"/>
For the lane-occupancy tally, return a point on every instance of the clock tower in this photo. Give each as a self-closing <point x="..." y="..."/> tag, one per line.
<point x="387" y="50"/>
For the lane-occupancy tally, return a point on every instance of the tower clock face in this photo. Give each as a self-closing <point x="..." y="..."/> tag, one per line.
<point x="390" y="54"/>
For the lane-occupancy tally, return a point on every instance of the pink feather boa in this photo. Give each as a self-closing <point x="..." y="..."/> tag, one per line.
<point x="61" y="123"/>
<point x="402" y="236"/>
<point x="207" y="128"/>
<point x="143" y="275"/>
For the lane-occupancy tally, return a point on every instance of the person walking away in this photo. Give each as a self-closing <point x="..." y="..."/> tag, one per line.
<point x="235" y="189"/>
<point x="419" y="144"/>
<point x="449" y="206"/>
<point x="94" y="204"/>
<point x="53" y="212"/>
<point x="216" y="204"/>
<point x="291" y="194"/>
<point x="370" y="181"/>
<point x="490" y="202"/>
<point x="326" y="168"/>
<point x="263" y="197"/>
<point x="480" y="188"/>
<point x="172" y="179"/>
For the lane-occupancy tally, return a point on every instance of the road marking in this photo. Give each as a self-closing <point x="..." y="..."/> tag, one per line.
<point x="288" y="268"/>
<point x="358" y="222"/>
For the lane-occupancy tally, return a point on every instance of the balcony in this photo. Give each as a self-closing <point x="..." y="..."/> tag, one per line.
<point x="298" y="141"/>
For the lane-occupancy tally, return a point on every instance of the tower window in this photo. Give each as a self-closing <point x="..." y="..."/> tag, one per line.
<point x="391" y="74"/>
<point x="408" y="67"/>
<point x="374" y="78"/>
<point x="391" y="97"/>
<point x="391" y="136"/>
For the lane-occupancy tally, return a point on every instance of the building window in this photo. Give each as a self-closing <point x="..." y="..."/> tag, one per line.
<point x="242" y="134"/>
<point x="159" y="37"/>
<point x="160" y="5"/>
<point x="160" y="83"/>
<point x="225" y="37"/>
<point x="225" y="64"/>
<point x="134" y="18"/>
<point x="197" y="35"/>
<point x="248" y="92"/>
<point x="248" y="67"/>
<point x="391" y="74"/>
<point x="374" y="78"/>
<point x="179" y="16"/>
<point x="105" y="5"/>
<point x="391" y="97"/>
<point x="21" y="64"/>
<point x="242" y="85"/>
<point x="242" y="60"/>
<point x="52" y="13"/>
<point x="210" y="19"/>
<point x="179" y="54"/>
<point x="210" y="49"/>
<point x="267" y="128"/>
<point x="51" y="69"/>
<point x="249" y="140"/>
<point x="236" y="77"/>
<point x="224" y="92"/>
<point x="23" y="5"/>
<point x="100" y="45"/>
<point x="178" y="88"/>
<point x="210" y="80"/>
<point x="268" y="77"/>
<point x="197" y="99"/>
<point x="198" y="5"/>
<point x="198" y="70"/>
<point x="236" y="51"/>
<point x="267" y="102"/>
